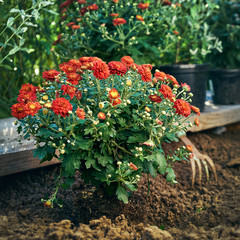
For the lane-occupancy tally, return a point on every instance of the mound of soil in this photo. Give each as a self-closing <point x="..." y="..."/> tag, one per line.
<point x="180" y="211"/>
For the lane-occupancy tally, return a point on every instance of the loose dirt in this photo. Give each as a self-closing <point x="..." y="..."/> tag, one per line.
<point x="180" y="211"/>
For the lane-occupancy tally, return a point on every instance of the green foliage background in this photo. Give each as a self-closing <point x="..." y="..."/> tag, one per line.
<point x="20" y="67"/>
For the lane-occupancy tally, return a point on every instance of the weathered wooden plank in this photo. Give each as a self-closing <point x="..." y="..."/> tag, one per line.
<point x="216" y="116"/>
<point x="21" y="161"/>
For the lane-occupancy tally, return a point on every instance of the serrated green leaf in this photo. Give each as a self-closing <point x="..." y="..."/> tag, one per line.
<point x="130" y="186"/>
<point x="39" y="153"/>
<point x="104" y="160"/>
<point x="159" y="159"/>
<point x="122" y="194"/>
<point x="84" y="144"/>
<point x="171" y="175"/>
<point x="71" y="162"/>
<point x="138" y="137"/>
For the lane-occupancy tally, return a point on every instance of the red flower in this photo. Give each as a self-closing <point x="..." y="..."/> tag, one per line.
<point x="195" y="110"/>
<point x="166" y="3"/>
<point x="133" y="167"/>
<point x="176" y="32"/>
<point x="155" y="98"/>
<point x="166" y="92"/>
<point x="68" y="68"/>
<point x="76" y="63"/>
<point x="75" y="27"/>
<point x="73" y="78"/>
<point x="159" y="121"/>
<point x="18" y="110"/>
<point x="160" y="75"/>
<point x="115" y="1"/>
<point x="86" y="62"/>
<point x="70" y="24"/>
<point x="101" y="116"/>
<point x="66" y="3"/>
<point x="116" y="101"/>
<point x="50" y="75"/>
<point x="70" y="90"/>
<point x="139" y="18"/>
<point x="117" y="68"/>
<point x="93" y="7"/>
<point x="150" y="66"/>
<point x="78" y="95"/>
<point x="28" y="88"/>
<point x="147" y="109"/>
<point x="113" y="93"/>
<point x="80" y="113"/>
<point x="196" y="122"/>
<point x="119" y="21"/>
<point x="26" y="97"/>
<point x="145" y="73"/>
<point x="128" y="61"/>
<point x="143" y="6"/>
<point x="82" y="1"/>
<point x="172" y="80"/>
<point x="186" y="87"/>
<point x="32" y="108"/>
<point x="100" y="70"/>
<point x="189" y="148"/>
<point x="182" y="107"/>
<point x="114" y="14"/>
<point x="83" y="10"/>
<point x="59" y="40"/>
<point x="61" y="106"/>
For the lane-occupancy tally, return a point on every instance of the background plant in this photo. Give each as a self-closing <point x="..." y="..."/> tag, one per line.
<point x="25" y="44"/>
<point x="106" y="120"/>
<point x="225" y="24"/>
<point x="88" y="29"/>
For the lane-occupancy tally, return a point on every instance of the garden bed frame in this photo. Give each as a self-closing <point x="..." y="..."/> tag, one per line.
<point x="17" y="157"/>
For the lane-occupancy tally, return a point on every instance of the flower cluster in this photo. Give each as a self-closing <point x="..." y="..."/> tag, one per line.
<point x="107" y="120"/>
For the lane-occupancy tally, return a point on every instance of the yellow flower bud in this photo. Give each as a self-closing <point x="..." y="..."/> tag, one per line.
<point x="45" y="97"/>
<point x="48" y="105"/>
<point x="45" y="111"/>
<point x="129" y="83"/>
<point x="101" y="105"/>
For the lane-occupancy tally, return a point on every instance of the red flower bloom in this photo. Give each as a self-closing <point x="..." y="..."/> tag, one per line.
<point x="101" y="116"/>
<point x="115" y="1"/>
<point x="86" y="62"/>
<point x="83" y="10"/>
<point x="128" y="61"/>
<point x="166" y="3"/>
<point x="189" y="148"/>
<point x="159" y="121"/>
<point x="133" y="167"/>
<point x="176" y="32"/>
<point x="26" y="97"/>
<point x="186" y="87"/>
<point x="75" y="27"/>
<point x="143" y="6"/>
<point x="155" y="98"/>
<point x="93" y="7"/>
<point x="167" y="92"/>
<point x="113" y="93"/>
<point x="68" y="68"/>
<point x="116" y="101"/>
<point x="80" y="113"/>
<point x="82" y="1"/>
<point x="66" y="3"/>
<point x="28" y="88"/>
<point x="119" y="21"/>
<point x="145" y="72"/>
<point x="195" y="110"/>
<point x="172" y="80"/>
<point x="114" y="14"/>
<point x="32" y="108"/>
<point x="196" y="122"/>
<point x="117" y="68"/>
<point x="182" y="107"/>
<point x="100" y="70"/>
<point x="61" y="106"/>
<point x="18" y="110"/>
<point x="139" y="18"/>
<point x="70" y="24"/>
<point x="76" y="63"/>
<point x="50" y="75"/>
<point x="70" y="90"/>
<point x="160" y="75"/>
<point x="73" y="78"/>
<point x="78" y="95"/>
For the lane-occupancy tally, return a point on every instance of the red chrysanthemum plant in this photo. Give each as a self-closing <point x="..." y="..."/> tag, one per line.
<point x="107" y="120"/>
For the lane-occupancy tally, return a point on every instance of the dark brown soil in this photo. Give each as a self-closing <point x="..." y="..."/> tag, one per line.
<point x="180" y="211"/>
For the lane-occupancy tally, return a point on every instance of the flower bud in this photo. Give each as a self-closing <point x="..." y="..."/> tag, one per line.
<point x="62" y="151"/>
<point x="45" y="111"/>
<point x="60" y="129"/>
<point x="119" y="163"/>
<point x="129" y="83"/>
<point x="45" y="97"/>
<point x="101" y="105"/>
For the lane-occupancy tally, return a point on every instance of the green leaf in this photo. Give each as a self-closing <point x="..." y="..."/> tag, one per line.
<point x="122" y="194"/>
<point x="45" y="133"/>
<point x="10" y="21"/>
<point x="71" y="162"/>
<point x="84" y="144"/>
<point x="39" y="153"/>
<point x="103" y="160"/>
<point x="14" y="50"/>
<point x="159" y="159"/>
<point x="151" y="169"/>
<point x="138" y="137"/>
<point x="130" y="186"/>
<point x="171" y="175"/>
<point x="90" y="162"/>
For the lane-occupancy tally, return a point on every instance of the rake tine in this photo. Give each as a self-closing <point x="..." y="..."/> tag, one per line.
<point x="199" y="169"/>
<point x="210" y="161"/>
<point x="206" y="168"/>
<point x="193" y="165"/>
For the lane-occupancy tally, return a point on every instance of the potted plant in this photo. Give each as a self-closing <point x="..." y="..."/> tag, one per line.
<point x="106" y="120"/>
<point x="186" y="45"/>
<point x="225" y="74"/>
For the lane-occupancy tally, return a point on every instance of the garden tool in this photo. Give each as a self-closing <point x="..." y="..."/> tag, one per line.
<point x="198" y="158"/>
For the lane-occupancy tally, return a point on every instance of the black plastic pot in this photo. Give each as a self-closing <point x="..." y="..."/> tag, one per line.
<point x="195" y="75"/>
<point x="226" y="86"/>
